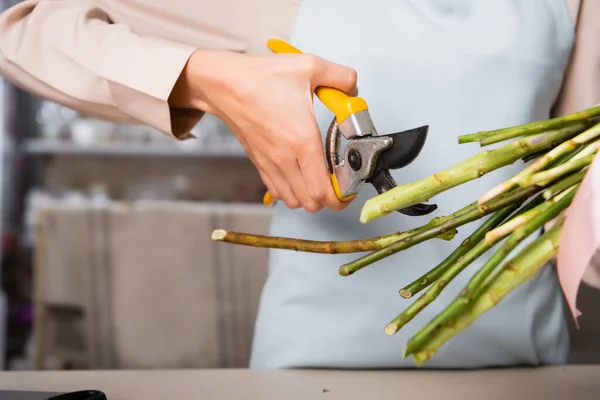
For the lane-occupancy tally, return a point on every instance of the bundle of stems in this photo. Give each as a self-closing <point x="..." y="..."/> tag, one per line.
<point x="558" y="152"/>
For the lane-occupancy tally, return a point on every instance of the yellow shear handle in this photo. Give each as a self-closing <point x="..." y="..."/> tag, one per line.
<point x="338" y="102"/>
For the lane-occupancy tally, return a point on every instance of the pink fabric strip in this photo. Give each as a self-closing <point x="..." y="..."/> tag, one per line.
<point x="580" y="236"/>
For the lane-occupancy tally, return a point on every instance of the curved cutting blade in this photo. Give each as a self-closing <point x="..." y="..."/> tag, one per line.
<point x="407" y="145"/>
<point x="405" y="149"/>
<point x="383" y="181"/>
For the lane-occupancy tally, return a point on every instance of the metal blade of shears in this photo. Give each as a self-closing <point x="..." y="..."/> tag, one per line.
<point x="406" y="147"/>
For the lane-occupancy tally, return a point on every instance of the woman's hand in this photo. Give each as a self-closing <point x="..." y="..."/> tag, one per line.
<point x="267" y="102"/>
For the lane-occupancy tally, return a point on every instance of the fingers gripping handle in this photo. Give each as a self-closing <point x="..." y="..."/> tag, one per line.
<point x="338" y="102"/>
<point x="268" y="199"/>
<point x="335" y="100"/>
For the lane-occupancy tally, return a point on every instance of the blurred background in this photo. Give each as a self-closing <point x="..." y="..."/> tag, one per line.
<point x="107" y="260"/>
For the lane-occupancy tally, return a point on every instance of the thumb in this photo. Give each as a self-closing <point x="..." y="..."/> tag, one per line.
<point x="334" y="75"/>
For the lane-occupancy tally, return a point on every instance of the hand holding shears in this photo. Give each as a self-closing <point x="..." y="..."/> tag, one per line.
<point x="368" y="156"/>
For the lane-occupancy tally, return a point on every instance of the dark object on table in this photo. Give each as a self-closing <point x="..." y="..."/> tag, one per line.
<point x="25" y="395"/>
<point x="80" y="395"/>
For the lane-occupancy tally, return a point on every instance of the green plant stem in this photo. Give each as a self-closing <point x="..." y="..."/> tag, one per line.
<point x="551" y="175"/>
<point x="451" y="271"/>
<point x="563" y="184"/>
<point x="331" y="247"/>
<point x="326" y="247"/>
<point x="467" y="295"/>
<point x="561" y="160"/>
<point x="534" y="156"/>
<point x="477" y="212"/>
<point x="519" y="220"/>
<point x="472" y="168"/>
<point x="434" y="274"/>
<point x="526" y="264"/>
<point x="561" y="150"/>
<point x="565" y="158"/>
<point x="431" y="276"/>
<point x="537" y="206"/>
<point x="531" y="128"/>
<point x="587" y="150"/>
<point x="502" y="137"/>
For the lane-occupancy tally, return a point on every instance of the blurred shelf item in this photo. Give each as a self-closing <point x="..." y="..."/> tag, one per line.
<point x="66" y="132"/>
<point x="51" y="147"/>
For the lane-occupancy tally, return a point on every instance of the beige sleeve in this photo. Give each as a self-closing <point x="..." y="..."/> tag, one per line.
<point x="581" y="87"/>
<point x="587" y="66"/>
<point x="70" y="52"/>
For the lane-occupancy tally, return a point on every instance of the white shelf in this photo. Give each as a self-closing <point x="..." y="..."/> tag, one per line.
<point x="42" y="147"/>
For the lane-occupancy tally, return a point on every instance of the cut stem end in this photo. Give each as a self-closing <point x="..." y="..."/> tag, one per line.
<point x="219" y="234"/>
<point x="391" y="329"/>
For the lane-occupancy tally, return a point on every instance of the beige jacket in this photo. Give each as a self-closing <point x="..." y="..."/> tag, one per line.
<point x="119" y="59"/>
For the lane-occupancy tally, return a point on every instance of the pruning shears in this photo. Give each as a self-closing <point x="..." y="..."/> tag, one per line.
<point x="368" y="156"/>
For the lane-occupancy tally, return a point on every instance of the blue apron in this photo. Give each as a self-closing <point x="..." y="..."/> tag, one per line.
<point x="459" y="66"/>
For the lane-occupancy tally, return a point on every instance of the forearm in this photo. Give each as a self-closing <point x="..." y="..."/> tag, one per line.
<point x="201" y="68"/>
<point x="70" y="52"/>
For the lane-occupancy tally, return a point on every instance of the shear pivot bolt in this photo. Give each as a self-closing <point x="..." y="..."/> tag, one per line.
<point x="354" y="159"/>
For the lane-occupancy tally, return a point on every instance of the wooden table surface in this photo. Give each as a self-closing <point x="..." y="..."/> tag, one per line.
<point x="565" y="383"/>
